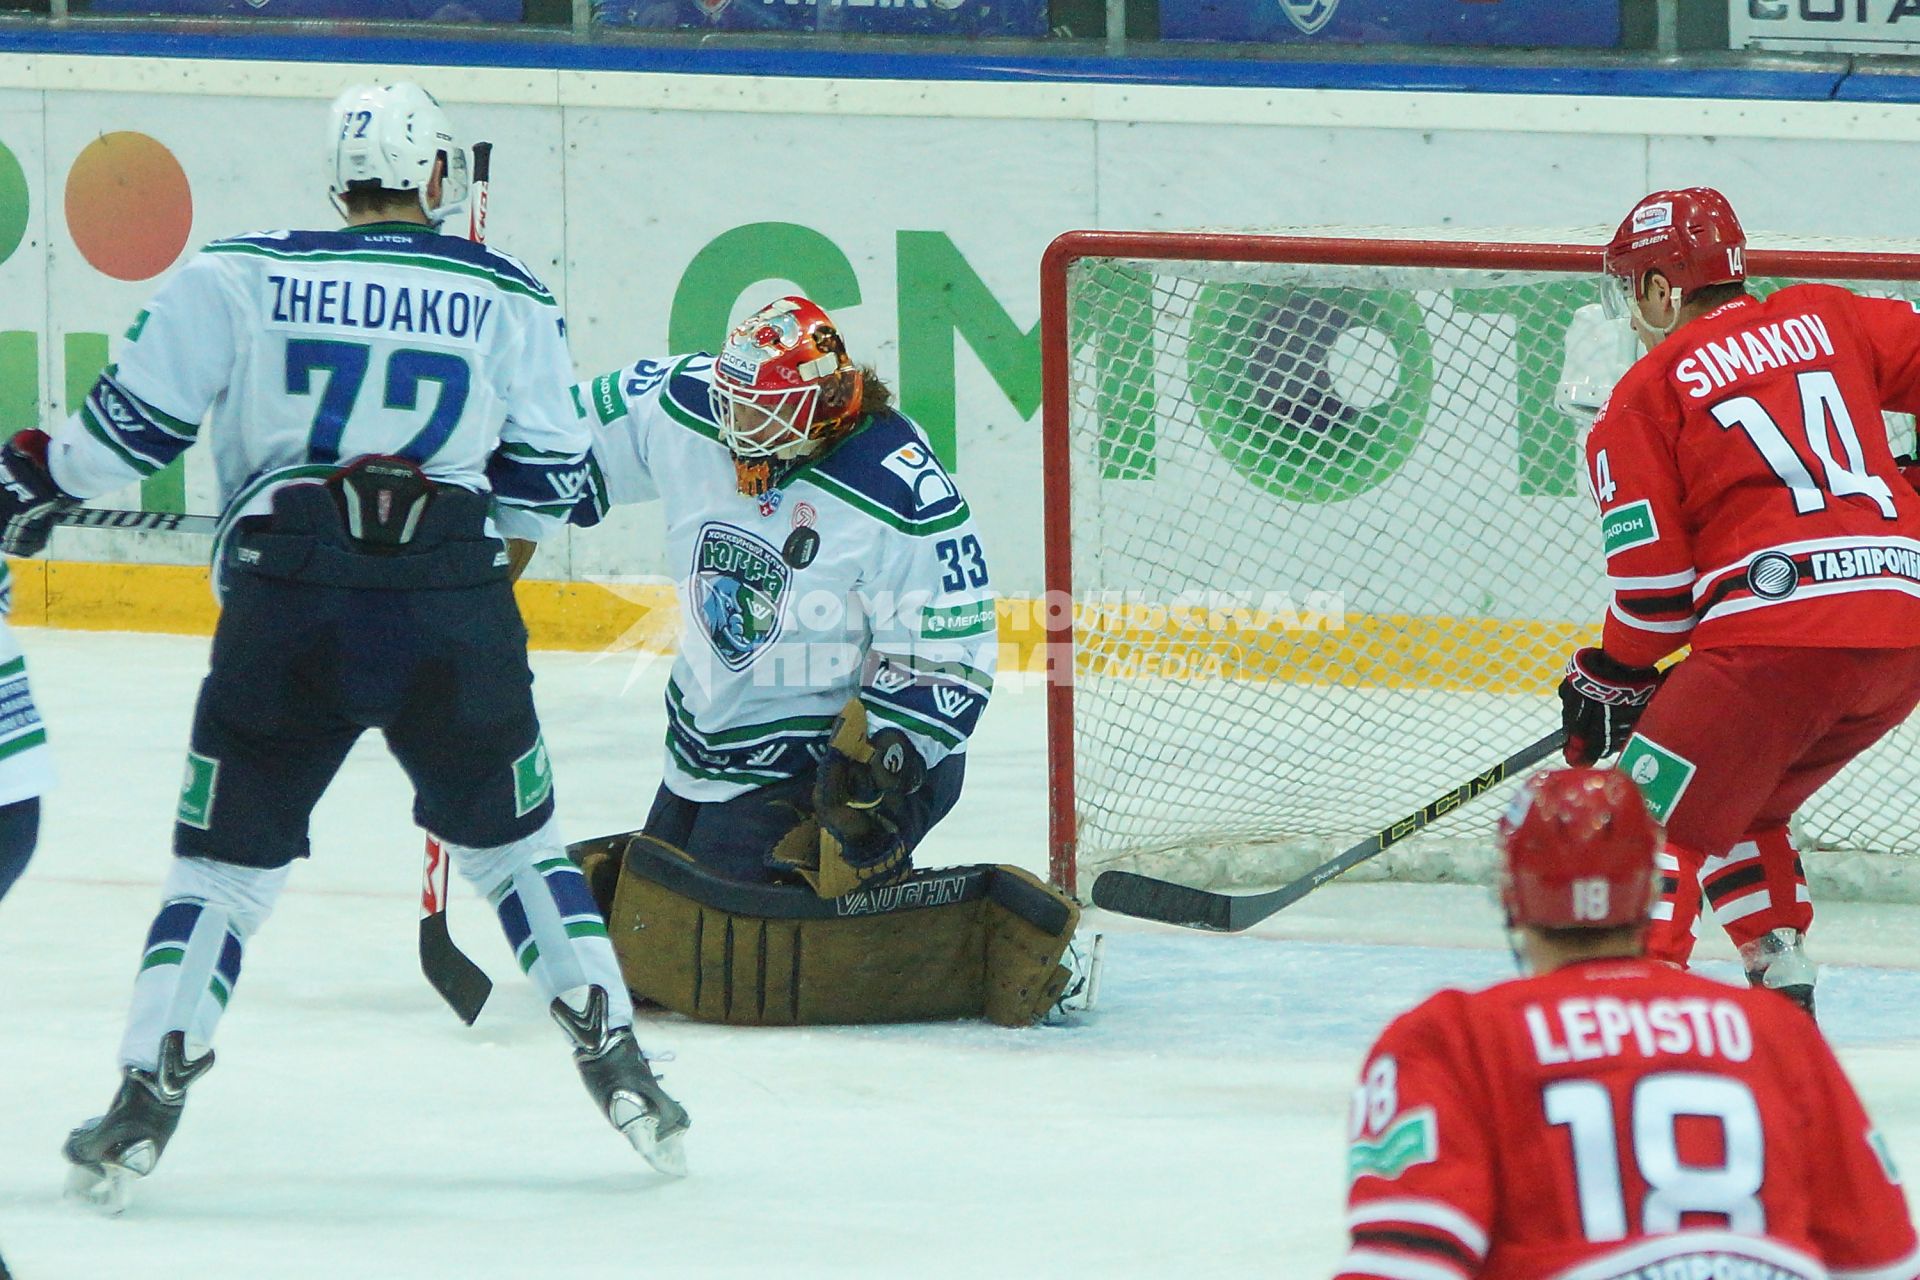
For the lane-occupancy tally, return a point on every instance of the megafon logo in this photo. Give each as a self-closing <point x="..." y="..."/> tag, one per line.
<point x="1309" y="15"/>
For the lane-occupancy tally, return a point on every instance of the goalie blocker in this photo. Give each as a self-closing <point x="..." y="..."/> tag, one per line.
<point x="958" y="942"/>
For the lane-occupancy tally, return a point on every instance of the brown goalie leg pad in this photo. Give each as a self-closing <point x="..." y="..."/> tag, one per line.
<point x="933" y="946"/>
<point x="599" y="863"/>
<point x="1029" y="924"/>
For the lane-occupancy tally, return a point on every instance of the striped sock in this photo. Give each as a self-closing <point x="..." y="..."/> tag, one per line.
<point x="1758" y="886"/>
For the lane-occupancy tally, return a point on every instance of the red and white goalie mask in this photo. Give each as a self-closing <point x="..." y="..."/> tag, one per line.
<point x="782" y="386"/>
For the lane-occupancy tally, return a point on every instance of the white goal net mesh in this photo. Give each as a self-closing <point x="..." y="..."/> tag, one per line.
<point x="1330" y="549"/>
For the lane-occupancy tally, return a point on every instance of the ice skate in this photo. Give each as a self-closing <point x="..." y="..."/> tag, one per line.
<point x="110" y="1152"/>
<point x="623" y="1084"/>
<point x="1778" y="961"/>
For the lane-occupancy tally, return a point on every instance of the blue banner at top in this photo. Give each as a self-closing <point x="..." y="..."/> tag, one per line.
<point x="881" y="17"/>
<point x="1590" y="24"/>
<point x="344" y="10"/>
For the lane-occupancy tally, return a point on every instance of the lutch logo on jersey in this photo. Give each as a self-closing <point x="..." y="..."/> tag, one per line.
<point x="739" y="588"/>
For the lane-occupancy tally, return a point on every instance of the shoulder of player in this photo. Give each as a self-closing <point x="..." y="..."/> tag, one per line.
<point x="887" y="471"/>
<point x="675" y="386"/>
<point x="400" y="246"/>
<point x="1637" y="393"/>
<point x="1434" y="1024"/>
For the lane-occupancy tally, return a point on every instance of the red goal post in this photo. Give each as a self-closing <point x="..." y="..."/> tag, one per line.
<point x="1240" y="425"/>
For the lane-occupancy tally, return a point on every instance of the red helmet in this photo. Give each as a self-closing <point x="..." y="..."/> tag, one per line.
<point x="782" y="382"/>
<point x="1691" y="237"/>
<point x="1577" y="850"/>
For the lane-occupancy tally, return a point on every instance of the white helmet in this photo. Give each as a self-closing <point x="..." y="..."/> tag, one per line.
<point x="389" y="136"/>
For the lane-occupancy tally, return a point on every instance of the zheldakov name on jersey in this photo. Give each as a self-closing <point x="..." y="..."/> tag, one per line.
<point x="387" y="308"/>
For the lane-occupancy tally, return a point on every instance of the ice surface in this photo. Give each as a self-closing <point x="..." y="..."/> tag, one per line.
<point x="354" y="1129"/>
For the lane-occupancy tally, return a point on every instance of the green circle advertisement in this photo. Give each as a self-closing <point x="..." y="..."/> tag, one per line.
<point x="1315" y="395"/>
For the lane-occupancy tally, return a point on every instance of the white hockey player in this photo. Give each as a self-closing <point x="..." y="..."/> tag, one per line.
<point x="384" y="404"/>
<point x="26" y="765"/>
<point x="838" y="647"/>
<point x="830" y="567"/>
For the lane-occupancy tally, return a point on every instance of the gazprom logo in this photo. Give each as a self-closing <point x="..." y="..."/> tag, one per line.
<point x="1309" y="15"/>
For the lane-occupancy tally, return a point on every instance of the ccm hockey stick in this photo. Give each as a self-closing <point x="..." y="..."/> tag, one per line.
<point x="1151" y="899"/>
<point x="463" y="984"/>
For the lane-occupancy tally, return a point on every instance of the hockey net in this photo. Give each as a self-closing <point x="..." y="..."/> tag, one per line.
<point x="1324" y="531"/>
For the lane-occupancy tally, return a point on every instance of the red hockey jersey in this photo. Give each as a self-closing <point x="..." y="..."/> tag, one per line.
<point x="1616" y="1120"/>
<point x="1746" y="489"/>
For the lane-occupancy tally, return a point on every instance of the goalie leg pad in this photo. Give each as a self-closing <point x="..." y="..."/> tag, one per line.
<point x="960" y="942"/>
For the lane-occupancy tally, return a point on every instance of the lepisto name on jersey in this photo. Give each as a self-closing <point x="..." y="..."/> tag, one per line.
<point x="386" y="308"/>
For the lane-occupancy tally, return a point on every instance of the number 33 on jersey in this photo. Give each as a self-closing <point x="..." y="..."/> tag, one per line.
<point x="1616" y="1120"/>
<point x="1742" y="471"/>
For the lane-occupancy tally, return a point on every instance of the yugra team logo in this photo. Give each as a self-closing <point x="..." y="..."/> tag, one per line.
<point x="739" y="586"/>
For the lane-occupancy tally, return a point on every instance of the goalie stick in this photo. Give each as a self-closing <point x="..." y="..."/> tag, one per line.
<point x="1132" y="894"/>
<point x="463" y="984"/>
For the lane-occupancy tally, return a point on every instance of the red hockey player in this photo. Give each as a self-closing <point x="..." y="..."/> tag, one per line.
<point x="1610" y="1117"/>
<point x="1751" y="508"/>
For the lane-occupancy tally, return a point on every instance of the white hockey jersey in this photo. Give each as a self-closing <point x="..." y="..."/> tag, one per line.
<point x="303" y="350"/>
<point x="861" y="573"/>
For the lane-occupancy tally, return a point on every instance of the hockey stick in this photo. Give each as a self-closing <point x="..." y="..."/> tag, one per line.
<point x="477" y="198"/>
<point x="141" y="521"/>
<point x="463" y="984"/>
<point x="460" y="982"/>
<point x="1150" y="899"/>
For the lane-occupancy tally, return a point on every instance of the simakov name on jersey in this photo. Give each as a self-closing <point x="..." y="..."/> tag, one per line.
<point x="368" y="306"/>
<point x="1713" y="366"/>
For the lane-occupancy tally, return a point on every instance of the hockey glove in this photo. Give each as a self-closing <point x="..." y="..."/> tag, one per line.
<point x="860" y="781"/>
<point x="1601" y="700"/>
<point x="30" y="502"/>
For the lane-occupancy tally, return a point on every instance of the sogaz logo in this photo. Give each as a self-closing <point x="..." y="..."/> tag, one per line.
<point x="1309" y="15"/>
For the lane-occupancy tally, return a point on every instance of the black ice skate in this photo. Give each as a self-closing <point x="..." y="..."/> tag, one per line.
<point x="110" y="1152"/>
<point x="623" y="1085"/>
<point x="1778" y="961"/>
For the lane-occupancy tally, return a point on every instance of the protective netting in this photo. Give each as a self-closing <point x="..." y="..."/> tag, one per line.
<point x="1330" y="550"/>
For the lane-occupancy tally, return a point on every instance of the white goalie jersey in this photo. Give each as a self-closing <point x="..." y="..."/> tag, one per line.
<point x="300" y="351"/>
<point x="861" y="573"/>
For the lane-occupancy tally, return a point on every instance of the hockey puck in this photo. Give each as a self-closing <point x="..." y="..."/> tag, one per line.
<point x="803" y="544"/>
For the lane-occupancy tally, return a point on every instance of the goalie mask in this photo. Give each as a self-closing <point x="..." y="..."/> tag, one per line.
<point x="389" y="136"/>
<point x="1577" y="852"/>
<point x="1690" y="236"/>
<point x="783" y="388"/>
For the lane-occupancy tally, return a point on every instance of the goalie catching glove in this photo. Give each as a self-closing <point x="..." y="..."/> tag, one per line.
<point x="853" y="840"/>
<point x="30" y="501"/>
<point x="1601" y="699"/>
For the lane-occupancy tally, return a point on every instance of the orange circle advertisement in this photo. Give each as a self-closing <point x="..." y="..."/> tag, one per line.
<point x="129" y="207"/>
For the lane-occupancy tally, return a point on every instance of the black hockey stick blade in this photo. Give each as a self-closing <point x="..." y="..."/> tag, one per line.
<point x="1144" y="897"/>
<point x="463" y="984"/>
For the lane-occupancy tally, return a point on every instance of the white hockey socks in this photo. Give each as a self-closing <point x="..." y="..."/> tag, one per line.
<point x="192" y="958"/>
<point x="548" y="915"/>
